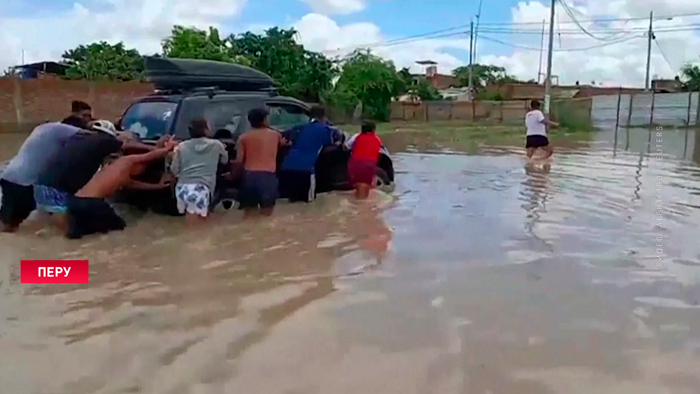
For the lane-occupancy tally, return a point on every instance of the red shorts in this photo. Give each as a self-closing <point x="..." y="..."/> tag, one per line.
<point x="361" y="171"/>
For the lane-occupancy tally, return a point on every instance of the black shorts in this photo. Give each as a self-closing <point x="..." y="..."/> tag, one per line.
<point x="298" y="186"/>
<point x="91" y="216"/>
<point x="260" y="189"/>
<point x="536" y="141"/>
<point x="17" y="203"/>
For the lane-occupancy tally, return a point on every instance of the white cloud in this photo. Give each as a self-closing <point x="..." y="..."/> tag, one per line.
<point x="144" y="23"/>
<point x="623" y="63"/>
<point x="329" y="7"/>
<point x="139" y="23"/>
<point x="321" y="33"/>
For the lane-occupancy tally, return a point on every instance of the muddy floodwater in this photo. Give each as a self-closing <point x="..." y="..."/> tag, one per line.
<point x="476" y="275"/>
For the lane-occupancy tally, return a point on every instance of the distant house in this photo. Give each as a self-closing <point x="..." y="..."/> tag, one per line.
<point x="667" y="85"/>
<point x="439" y="81"/>
<point x="39" y="70"/>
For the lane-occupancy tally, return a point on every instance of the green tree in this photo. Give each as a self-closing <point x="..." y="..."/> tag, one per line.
<point x="101" y="60"/>
<point x="690" y="73"/>
<point x="483" y="74"/>
<point x="192" y="43"/>
<point x="425" y="91"/>
<point x="298" y="72"/>
<point x="408" y="81"/>
<point x="368" y="80"/>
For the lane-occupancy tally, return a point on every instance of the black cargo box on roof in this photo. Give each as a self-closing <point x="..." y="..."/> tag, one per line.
<point x="184" y="74"/>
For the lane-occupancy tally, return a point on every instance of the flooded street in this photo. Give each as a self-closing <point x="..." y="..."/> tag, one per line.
<point x="477" y="275"/>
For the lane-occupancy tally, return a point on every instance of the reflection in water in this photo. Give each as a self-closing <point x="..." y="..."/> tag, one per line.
<point x="476" y="276"/>
<point x="536" y="190"/>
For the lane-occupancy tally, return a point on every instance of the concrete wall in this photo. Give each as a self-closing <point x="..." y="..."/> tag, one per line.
<point x="677" y="109"/>
<point x="493" y="111"/>
<point x="530" y="91"/>
<point x="25" y="103"/>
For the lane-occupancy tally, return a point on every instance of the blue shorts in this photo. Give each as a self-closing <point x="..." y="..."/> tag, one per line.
<point x="51" y="200"/>
<point x="260" y="189"/>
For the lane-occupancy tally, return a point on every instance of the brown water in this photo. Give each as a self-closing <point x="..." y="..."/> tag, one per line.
<point x="480" y="275"/>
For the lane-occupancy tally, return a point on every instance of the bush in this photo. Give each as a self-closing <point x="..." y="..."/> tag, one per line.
<point x="572" y="114"/>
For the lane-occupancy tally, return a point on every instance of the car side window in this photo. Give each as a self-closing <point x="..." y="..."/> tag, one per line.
<point x="286" y="116"/>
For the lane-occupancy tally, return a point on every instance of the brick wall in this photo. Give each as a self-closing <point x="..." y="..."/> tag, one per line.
<point x="25" y="103"/>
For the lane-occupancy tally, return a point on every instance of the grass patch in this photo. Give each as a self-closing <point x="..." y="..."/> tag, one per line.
<point x="463" y="136"/>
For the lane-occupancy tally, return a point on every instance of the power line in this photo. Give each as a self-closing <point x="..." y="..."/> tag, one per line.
<point x="664" y="55"/>
<point x="448" y="32"/>
<point x="512" y="28"/>
<point x="595" y="20"/>
<point x="608" y="43"/>
<point x="578" y="32"/>
<point x="570" y="11"/>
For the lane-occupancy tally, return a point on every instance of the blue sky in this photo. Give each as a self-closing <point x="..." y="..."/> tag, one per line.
<point x="416" y="16"/>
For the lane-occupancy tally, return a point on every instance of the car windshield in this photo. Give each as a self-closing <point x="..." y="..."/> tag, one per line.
<point x="149" y="120"/>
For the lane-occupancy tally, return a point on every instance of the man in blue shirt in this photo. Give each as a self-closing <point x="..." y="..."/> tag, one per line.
<point x="298" y="173"/>
<point x="32" y="160"/>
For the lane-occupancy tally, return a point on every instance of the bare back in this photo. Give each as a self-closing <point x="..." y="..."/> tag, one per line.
<point x="258" y="149"/>
<point x="108" y="179"/>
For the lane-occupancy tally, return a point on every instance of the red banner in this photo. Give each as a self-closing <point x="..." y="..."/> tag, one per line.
<point x="55" y="271"/>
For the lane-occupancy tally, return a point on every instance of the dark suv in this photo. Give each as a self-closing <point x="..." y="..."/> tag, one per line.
<point x="185" y="95"/>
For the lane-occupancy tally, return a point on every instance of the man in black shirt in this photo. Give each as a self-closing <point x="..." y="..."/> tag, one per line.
<point x="81" y="115"/>
<point x="79" y="159"/>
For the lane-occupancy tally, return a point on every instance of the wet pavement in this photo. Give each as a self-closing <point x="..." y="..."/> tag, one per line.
<point x="478" y="274"/>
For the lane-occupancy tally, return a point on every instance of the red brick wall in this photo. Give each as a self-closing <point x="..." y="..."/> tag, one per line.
<point x="25" y="103"/>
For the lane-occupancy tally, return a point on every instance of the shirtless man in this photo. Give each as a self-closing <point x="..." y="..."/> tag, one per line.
<point x="88" y="211"/>
<point x="256" y="152"/>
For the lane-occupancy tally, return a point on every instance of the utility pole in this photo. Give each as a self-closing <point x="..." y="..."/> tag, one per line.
<point x="476" y="29"/>
<point x="550" y="52"/>
<point x="539" y="70"/>
<point x="471" y="61"/>
<point x="650" y="38"/>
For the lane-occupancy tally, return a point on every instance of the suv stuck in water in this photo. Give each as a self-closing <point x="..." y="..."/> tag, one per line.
<point x="223" y="94"/>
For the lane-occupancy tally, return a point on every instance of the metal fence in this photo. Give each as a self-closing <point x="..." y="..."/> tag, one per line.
<point x="645" y="109"/>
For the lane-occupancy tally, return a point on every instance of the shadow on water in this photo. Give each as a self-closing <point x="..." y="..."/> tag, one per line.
<point x="481" y="274"/>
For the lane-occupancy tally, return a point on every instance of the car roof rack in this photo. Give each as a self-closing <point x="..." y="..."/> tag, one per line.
<point x="179" y="76"/>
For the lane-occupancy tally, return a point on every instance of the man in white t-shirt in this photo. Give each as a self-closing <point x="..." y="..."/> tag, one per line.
<point x="536" y="124"/>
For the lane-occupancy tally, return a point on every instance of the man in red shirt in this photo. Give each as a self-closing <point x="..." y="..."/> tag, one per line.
<point x="362" y="167"/>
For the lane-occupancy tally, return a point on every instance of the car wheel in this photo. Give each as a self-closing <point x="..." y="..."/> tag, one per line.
<point x="382" y="182"/>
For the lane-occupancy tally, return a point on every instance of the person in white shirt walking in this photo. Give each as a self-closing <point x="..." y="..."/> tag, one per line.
<point x="536" y="124"/>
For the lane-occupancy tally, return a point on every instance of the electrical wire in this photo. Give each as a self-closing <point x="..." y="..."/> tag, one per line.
<point x="417" y="37"/>
<point x="522" y="28"/>
<point x="664" y="55"/>
<point x="596" y="20"/>
<point x="570" y="11"/>
<point x="578" y="32"/>
<point x="609" y="43"/>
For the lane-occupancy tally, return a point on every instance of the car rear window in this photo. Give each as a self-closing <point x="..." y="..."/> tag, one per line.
<point x="149" y="119"/>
